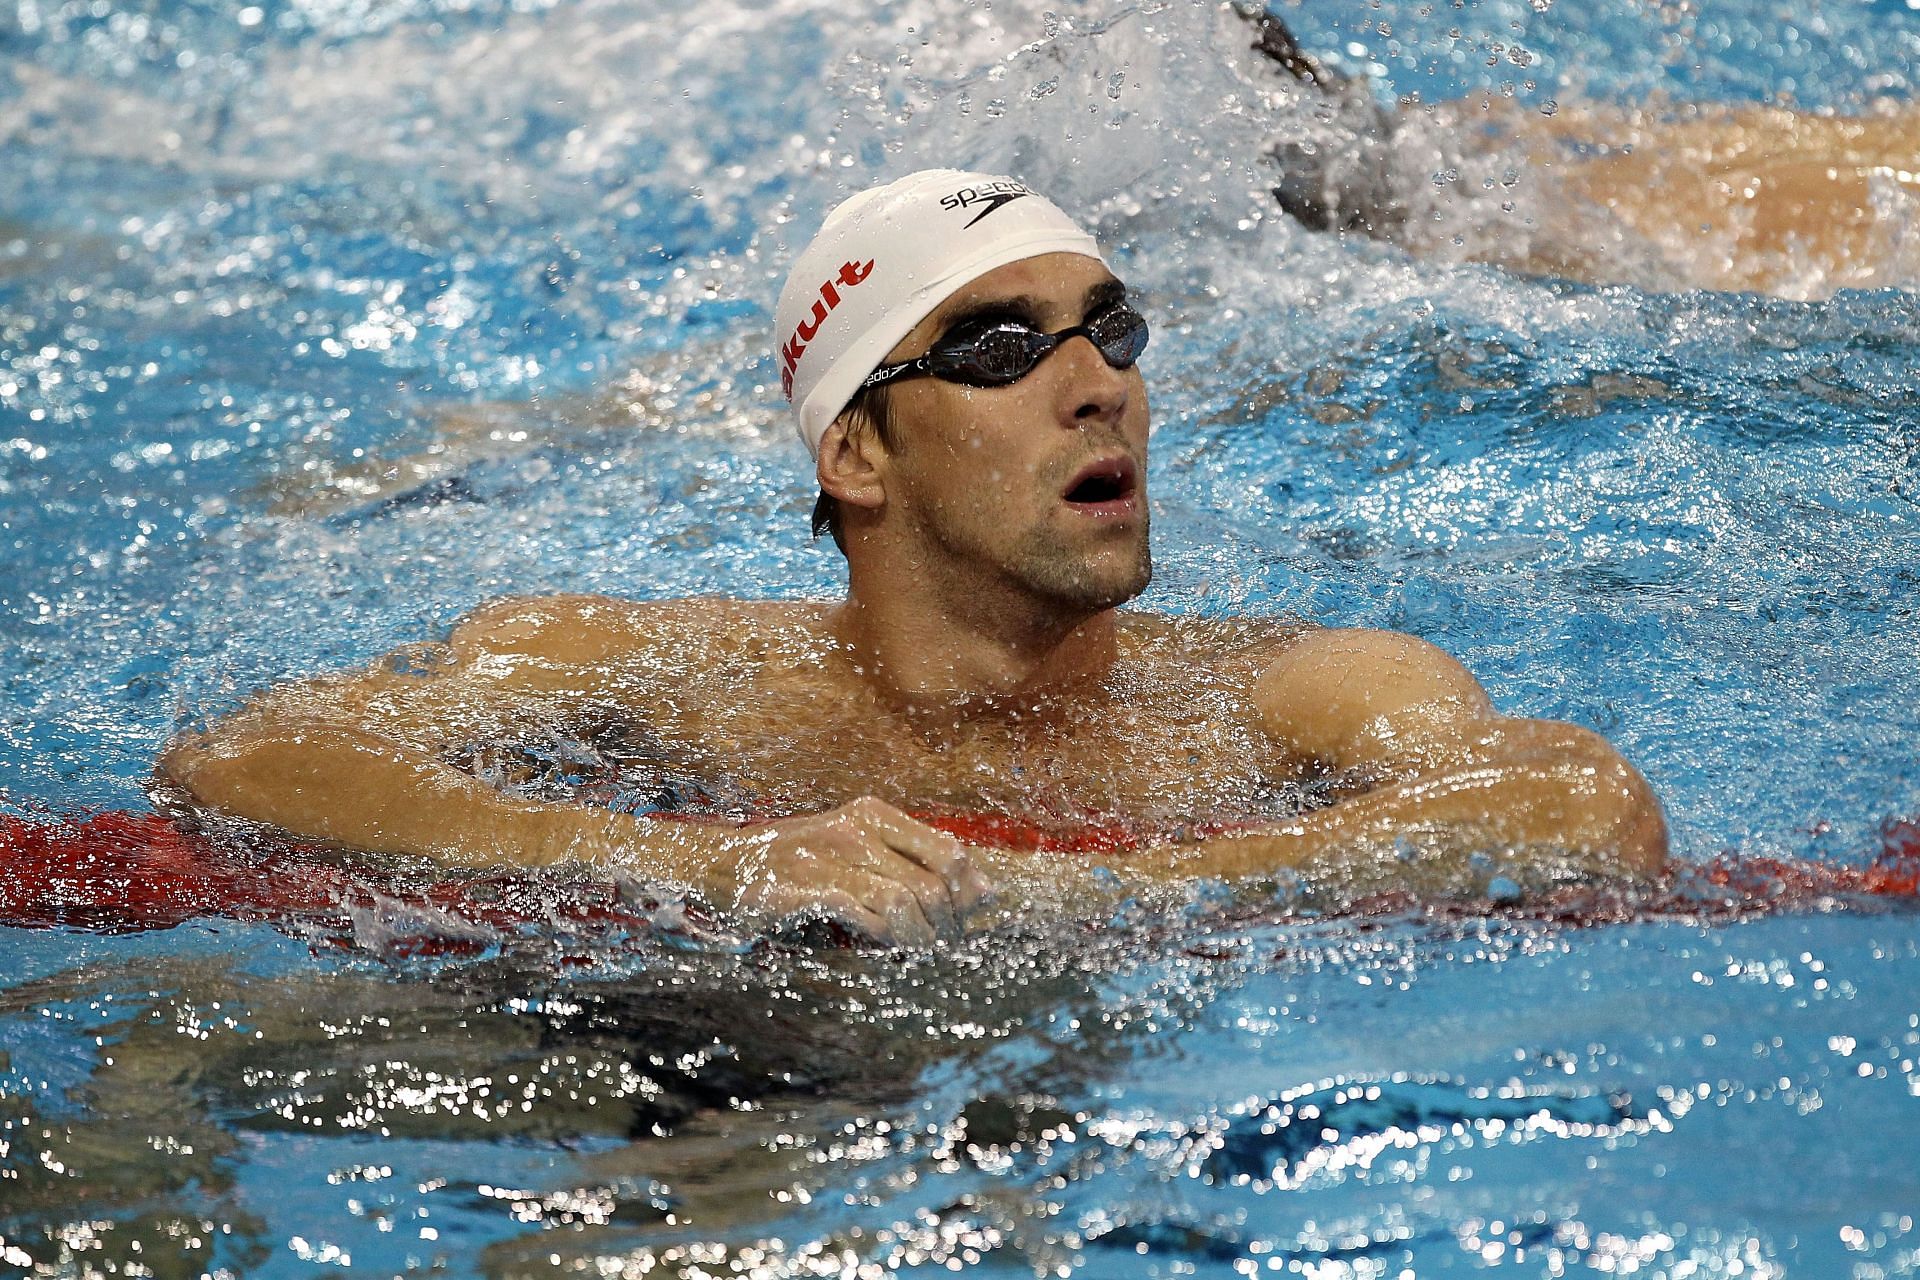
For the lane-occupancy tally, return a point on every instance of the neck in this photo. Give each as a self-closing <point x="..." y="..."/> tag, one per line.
<point x="924" y="654"/>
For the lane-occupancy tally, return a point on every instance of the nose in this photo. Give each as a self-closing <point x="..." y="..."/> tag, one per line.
<point x="1091" y="389"/>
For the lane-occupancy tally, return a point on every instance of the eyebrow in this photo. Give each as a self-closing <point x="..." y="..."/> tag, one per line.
<point x="1026" y="308"/>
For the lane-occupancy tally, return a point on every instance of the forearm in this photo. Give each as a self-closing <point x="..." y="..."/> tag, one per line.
<point x="364" y="791"/>
<point x="1535" y="792"/>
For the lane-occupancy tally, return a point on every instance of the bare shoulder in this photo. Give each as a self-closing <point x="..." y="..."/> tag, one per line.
<point x="1380" y="666"/>
<point x="1333" y="693"/>
<point x="1216" y="642"/>
<point x="594" y="628"/>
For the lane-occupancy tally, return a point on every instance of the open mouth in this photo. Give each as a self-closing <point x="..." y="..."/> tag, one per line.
<point x="1103" y="486"/>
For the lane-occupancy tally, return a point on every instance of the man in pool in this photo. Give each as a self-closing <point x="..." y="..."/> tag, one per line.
<point x="963" y="366"/>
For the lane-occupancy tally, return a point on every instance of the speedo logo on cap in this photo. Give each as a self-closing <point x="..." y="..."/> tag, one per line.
<point x="992" y="196"/>
<point x="851" y="274"/>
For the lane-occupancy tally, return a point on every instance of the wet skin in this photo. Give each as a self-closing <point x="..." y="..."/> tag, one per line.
<point x="979" y="661"/>
<point x="1753" y="198"/>
<point x="1669" y="195"/>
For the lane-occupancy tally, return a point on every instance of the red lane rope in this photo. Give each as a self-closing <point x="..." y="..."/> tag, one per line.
<point x="121" y="872"/>
<point x="124" y="872"/>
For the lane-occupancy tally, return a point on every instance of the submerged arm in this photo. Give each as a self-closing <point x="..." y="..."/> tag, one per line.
<point x="1445" y="774"/>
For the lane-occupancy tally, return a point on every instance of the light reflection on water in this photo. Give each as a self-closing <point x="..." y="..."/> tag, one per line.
<point x="1030" y="1103"/>
<point x="321" y="322"/>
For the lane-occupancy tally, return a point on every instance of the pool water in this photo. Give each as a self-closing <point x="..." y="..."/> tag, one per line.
<point x="322" y="321"/>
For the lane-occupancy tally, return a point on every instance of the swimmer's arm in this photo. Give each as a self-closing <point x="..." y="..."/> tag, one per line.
<point x="1448" y="774"/>
<point x="865" y="864"/>
<point x="356" y="758"/>
<point x="356" y="789"/>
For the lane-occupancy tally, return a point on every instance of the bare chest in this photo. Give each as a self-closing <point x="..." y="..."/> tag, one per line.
<point x="1156" y="749"/>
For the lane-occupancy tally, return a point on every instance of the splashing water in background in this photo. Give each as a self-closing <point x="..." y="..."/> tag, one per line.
<point x="299" y="256"/>
<point x="320" y="322"/>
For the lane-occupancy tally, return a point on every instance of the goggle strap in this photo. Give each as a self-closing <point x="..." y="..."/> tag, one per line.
<point x="888" y="372"/>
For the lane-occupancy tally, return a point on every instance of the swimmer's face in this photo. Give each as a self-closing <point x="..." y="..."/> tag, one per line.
<point x="1040" y="484"/>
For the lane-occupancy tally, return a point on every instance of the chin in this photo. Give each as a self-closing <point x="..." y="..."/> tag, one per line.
<point x="1134" y="582"/>
<point x="1098" y="587"/>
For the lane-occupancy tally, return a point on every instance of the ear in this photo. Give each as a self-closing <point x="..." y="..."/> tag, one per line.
<point x="852" y="466"/>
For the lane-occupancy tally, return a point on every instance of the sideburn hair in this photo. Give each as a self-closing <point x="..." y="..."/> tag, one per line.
<point x="871" y="409"/>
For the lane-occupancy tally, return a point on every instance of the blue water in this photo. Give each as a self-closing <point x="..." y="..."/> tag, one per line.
<point x="253" y="258"/>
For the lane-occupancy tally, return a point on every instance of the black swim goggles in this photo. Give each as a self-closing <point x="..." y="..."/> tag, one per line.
<point x="996" y="352"/>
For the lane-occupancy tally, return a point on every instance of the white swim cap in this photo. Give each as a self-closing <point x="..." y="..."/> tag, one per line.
<point x="883" y="260"/>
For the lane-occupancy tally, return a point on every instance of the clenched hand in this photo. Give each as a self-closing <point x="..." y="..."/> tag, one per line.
<point x="866" y="865"/>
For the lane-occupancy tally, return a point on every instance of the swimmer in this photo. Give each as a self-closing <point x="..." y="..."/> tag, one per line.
<point x="1668" y="195"/>
<point x="963" y="366"/>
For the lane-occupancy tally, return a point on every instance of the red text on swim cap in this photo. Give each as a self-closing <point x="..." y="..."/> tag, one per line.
<point x="851" y="274"/>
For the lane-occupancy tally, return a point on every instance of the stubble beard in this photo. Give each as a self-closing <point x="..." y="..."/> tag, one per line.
<point x="1052" y="568"/>
<point x="1048" y="568"/>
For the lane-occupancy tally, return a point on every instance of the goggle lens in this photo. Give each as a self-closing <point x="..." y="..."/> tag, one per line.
<point x="997" y="353"/>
